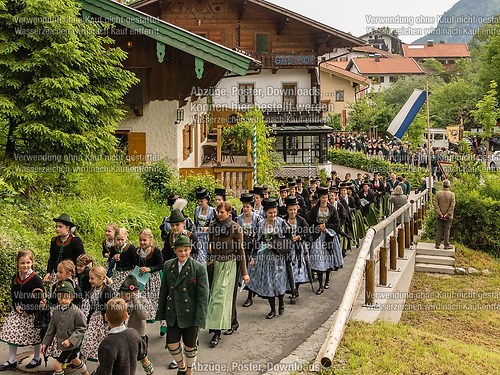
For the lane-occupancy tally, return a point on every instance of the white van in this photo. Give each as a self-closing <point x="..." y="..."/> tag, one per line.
<point x="438" y="138"/>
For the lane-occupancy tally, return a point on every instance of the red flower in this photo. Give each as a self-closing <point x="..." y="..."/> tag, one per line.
<point x="131" y="287"/>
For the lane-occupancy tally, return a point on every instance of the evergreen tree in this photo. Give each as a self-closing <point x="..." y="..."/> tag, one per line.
<point x="60" y="83"/>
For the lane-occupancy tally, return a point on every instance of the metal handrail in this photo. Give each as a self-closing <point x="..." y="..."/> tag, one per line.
<point x="332" y="342"/>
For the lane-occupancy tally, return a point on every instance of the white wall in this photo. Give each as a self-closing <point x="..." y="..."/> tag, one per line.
<point x="268" y="94"/>
<point x="164" y="137"/>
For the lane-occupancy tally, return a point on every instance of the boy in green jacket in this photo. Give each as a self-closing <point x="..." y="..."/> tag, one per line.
<point x="183" y="304"/>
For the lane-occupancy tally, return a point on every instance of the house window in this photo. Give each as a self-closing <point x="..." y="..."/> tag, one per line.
<point x="289" y="96"/>
<point x="339" y="95"/>
<point x="262" y="43"/>
<point x="393" y="79"/>
<point x="375" y="80"/>
<point x="245" y="93"/>
<point x="187" y="140"/>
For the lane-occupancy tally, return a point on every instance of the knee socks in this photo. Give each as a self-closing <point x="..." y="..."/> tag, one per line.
<point x="327" y="279"/>
<point x="36" y="352"/>
<point x="177" y="354"/>
<point x="13" y="353"/>
<point x="82" y="367"/>
<point x="281" y="303"/>
<point x="190" y="357"/>
<point x="149" y="369"/>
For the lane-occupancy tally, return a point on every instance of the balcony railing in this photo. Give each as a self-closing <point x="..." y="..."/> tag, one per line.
<point x="312" y="116"/>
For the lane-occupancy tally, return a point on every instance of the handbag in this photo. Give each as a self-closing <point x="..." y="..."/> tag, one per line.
<point x="142" y="277"/>
<point x="281" y="245"/>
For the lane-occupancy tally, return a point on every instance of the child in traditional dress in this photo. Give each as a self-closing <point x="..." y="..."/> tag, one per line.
<point x="19" y="326"/>
<point x="94" y="307"/>
<point x="124" y="254"/>
<point x="150" y="260"/>
<point x="137" y="306"/>
<point x="66" y="272"/>
<point x="119" y="351"/>
<point x="67" y="327"/>
<point x="84" y="264"/>
<point x="107" y="246"/>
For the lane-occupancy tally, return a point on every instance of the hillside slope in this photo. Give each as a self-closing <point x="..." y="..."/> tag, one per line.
<point x="459" y="23"/>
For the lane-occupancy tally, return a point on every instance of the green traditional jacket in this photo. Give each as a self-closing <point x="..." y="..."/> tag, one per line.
<point x="183" y="295"/>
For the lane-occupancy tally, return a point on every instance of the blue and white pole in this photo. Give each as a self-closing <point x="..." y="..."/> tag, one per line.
<point x="309" y="161"/>
<point x="255" y="154"/>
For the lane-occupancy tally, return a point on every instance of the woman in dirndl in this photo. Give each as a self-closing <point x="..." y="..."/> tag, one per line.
<point x="325" y="247"/>
<point x="94" y="307"/>
<point x="27" y="291"/>
<point x="150" y="260"/>
<point x="204" y="214"/>
<point x="299" y="254"/>
<point x="268" y="271"/>
<point x="124" y="253"/>
<point x="227" y="254"/>
<point x="66" y="245"/>
<point x="249" y="222"/>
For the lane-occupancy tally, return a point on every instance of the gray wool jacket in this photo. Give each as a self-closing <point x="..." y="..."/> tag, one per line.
<point x="66" y="324"/>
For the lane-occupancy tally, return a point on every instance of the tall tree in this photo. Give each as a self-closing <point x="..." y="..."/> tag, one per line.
<point x="60" y="83"/>
<point x="487" y="110"/>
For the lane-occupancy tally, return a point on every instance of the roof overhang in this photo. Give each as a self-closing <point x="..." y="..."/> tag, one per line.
<point x="171" y="35"/>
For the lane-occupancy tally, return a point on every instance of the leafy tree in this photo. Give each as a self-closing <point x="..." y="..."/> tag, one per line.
<point x="60" y="83"/>
<point x="415" y="133"/>
<point x="450" y="103"/>
<point x="486" y="49"/>
<point x="487" y="110"/>
<point x="369" y="111"/>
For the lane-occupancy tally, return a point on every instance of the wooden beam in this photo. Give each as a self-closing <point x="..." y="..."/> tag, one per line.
<point x="281" y="23"/>
<point x="242" y="4"/>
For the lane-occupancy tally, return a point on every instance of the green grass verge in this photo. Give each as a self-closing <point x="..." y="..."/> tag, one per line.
<point x="451" y="325"/>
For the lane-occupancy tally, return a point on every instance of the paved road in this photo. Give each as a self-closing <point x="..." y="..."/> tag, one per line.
<point x="258" y="342"/>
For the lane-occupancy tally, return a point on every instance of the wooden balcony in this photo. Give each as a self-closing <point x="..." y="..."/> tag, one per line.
<point x="313" y="116"/>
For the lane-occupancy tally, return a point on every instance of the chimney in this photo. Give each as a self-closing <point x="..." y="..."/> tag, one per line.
<point x="377" y="57"/>
<point x="430" y="43"/>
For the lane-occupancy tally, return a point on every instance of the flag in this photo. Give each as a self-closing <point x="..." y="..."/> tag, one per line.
<point x="407" y="114"/>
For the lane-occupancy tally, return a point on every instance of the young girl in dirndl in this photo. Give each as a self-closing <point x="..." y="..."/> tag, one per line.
<point x="107" y="247"/>
<point x="27" y="291"/>
<point x="124" y="254"/>
<point x="94" y="307"/>
<point x="150" y="260"/>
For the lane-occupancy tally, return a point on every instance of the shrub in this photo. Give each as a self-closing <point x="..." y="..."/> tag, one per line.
<point x="358" y="160"/>
<point x="476" y="221"/>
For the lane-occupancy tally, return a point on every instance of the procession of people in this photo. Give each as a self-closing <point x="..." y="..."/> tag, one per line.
<point x="280" y="240"/>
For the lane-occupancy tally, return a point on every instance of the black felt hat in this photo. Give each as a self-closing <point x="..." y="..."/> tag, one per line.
<point x="269" y="203"/>
<point x="321" y="190"/>
<point x="246" y="198"/>
<point x="202" y="193"/>
<point x="171" y="199"/>
<point x="258" y="190"/>
<point x="291" y="201"/>
<point x="220" y="191"/>
<point x="283" y="188"/>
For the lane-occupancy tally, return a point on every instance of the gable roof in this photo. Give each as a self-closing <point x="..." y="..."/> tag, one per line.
<point x="374" y="50"/>
<point x="369" y="65"/>
<point x="348" y="40"/>
<point x="171" y="35"/>
<point x="437" y="50"/>
<point x="339" y="72"/>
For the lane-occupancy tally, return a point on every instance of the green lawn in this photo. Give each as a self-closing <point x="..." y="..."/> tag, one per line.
<point x="450" y="326"/>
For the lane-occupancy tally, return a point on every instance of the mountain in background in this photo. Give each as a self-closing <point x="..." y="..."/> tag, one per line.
<point x="459" y="23"/>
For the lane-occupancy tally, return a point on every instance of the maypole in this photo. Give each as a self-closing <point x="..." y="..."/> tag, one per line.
<point x="255" y="153"/>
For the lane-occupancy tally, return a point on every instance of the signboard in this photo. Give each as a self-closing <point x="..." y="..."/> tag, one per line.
<point x="295" y="60"/>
